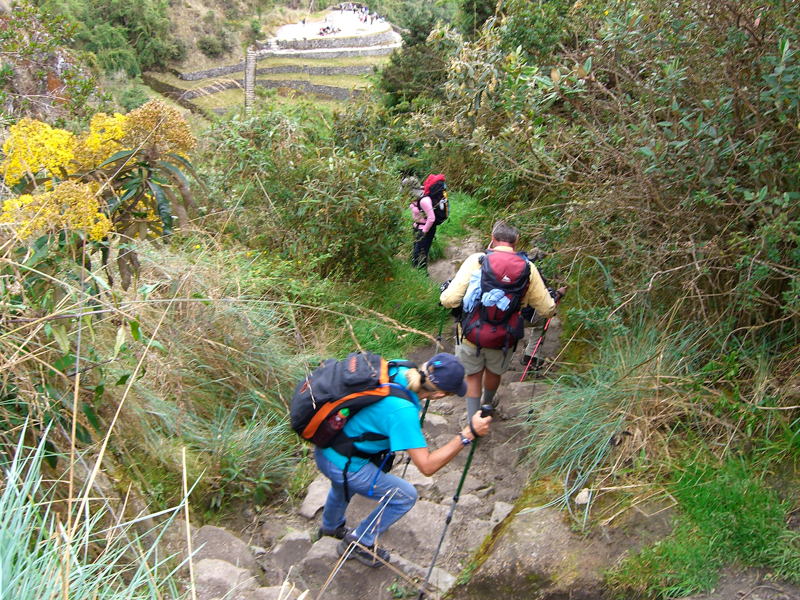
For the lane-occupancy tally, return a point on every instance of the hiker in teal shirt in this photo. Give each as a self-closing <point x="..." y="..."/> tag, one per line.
<point x="393" y="417"/>
<point x="398" y="419"/>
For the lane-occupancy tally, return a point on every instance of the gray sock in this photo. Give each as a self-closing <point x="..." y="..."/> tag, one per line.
<point x="473" y="406"/>
<point x="488" y="396"/>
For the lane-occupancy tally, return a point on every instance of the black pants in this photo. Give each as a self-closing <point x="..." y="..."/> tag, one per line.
<point x="422" y="245"/>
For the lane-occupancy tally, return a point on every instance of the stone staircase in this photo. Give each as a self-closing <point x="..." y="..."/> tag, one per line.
<point x="281" y="549"/>
<point x="281" y="558"/>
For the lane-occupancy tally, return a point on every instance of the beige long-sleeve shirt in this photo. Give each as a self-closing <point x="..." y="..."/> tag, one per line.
<point x="537" y="295"/>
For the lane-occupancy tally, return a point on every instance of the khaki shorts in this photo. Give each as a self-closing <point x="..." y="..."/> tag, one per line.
<point x="489" y="358"/>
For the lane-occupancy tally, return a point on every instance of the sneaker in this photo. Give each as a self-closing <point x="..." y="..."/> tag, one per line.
<point x="339" y="533"/>
<point x="363" y="554"/>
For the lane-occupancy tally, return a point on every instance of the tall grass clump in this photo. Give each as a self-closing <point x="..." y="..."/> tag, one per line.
<point x="635" y="392"/>
<point x="42" y="556"/>
<point x="232" y="373"/>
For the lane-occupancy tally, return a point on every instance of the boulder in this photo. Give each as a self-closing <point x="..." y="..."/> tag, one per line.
<point x="416" y="534"/>
<point x="266" y="593"/>
<point x="538" y="556"/>
<point x="219" y="579"/>
<point x="316" y="496"/>
<point x="217" y="543"/>
<point x="501" y="511"/>
<point x="353" y="580"/>
<point x="291" y="549"/>
<point x="440" y="579"/>
<point x="447" y="483"/>
<point x="416" y="478"/>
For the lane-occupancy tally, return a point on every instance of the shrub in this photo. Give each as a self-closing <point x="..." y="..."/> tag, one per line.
<point x="211" y="46"/>
<point x="133" y="97"/>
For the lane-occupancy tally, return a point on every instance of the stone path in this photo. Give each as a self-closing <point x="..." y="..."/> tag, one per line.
<point x="284" y="547"/>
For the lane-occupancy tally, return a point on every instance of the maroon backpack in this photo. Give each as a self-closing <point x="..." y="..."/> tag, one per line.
<point x="489" y="326"/>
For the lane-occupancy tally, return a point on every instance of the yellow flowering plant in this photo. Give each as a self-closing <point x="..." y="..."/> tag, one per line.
<point x="126" y="175"/>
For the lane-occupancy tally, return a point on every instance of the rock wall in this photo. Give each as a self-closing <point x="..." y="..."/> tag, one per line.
<point x="355" y="70"/>
<point x="307" y="87"/>
<point x="173" y="92"/>
<point x="321" y="54"/>
<point x="209" y="73"/>
<point x="319" y="43"/>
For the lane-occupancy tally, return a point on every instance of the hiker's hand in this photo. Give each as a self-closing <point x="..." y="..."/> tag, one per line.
<point x="444" y="286"/>
<point x="479" y="424"/>
<point x="561" y="292"/>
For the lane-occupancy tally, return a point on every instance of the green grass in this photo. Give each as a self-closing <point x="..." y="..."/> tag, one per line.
<point x="570" y="428"/>
<point x="407" y="296"/>
<point x="466" y="215"/>
<point x="221" y="100"/>
<point x="728" y="516"/>
<point x="173" y="80"/>
<point x="343" y="81"/>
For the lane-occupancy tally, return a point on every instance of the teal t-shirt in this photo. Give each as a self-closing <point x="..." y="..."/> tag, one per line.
<point x="394" y="417"/>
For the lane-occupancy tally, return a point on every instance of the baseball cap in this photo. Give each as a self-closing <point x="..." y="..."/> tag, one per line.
<point x="447" y="374"/>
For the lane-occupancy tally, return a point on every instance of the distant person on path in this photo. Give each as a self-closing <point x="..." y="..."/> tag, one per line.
<point x="424" y="222"/>
<point x="491" y="287"/>
<point x="396" y="420"/>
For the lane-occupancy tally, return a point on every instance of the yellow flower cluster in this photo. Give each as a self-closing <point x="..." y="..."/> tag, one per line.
<point x="102" y="141"/>
<point x="34" y="147"/>
<point x="159" y="128"/>
<point x="70" y="206"/>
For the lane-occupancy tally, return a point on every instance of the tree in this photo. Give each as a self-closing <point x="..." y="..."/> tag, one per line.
<point x="417" y="68"/>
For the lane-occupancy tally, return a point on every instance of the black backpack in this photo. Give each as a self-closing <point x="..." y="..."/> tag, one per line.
<point x="441" y="206"/>
<point x="354" y="383"/>
<point x="490" y="326"/>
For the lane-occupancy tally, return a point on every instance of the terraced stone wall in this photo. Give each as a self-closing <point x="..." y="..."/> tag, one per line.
<point x="385" y="37"/>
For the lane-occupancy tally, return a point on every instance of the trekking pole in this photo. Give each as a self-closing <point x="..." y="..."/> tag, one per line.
<point x="538" y="343"/>
<point x="486" y="410"/>
<point x="441" y="326"/>
<point x="421" y="421"/>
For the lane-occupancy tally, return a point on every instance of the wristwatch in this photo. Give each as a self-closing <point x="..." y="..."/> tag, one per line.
<point x="465" y="441"/>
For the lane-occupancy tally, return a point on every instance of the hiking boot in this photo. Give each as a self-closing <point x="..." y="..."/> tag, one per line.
<point x="363" y="554"/>
<point x="536" y="363"/>
<point x="339" y="533"/>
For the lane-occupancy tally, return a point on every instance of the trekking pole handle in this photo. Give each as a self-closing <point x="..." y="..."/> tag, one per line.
<point x="486" y="410"/>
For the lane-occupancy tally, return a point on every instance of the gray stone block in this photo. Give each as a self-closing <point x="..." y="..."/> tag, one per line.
<point x="292" y="548"/>
<point x="500" y="512"/>
<point x="216" y="543"/>
<point x="316" y="496"/>
<point x="216" y="578"/>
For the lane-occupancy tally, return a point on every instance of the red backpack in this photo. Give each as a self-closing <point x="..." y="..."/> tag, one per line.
<point x="491" y="326"/>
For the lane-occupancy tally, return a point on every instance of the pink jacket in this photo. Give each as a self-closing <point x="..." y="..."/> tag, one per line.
<point x="424" y="218"/>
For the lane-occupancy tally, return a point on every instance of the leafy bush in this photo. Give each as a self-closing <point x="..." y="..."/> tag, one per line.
<point x="38" y="77"/>
<point x="677" y="175"/>
<point x="338" y="208"/>
<point x="133" y="97"/>
<point x="211" y="46"/>
<point x="133" y="36"/>
<point x="416" y="68"/>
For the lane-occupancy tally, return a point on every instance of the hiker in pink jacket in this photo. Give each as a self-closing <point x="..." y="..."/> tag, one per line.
<point x="425" y="221"/>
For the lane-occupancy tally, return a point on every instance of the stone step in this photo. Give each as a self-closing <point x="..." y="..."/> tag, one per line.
<point x="352" y="580"/>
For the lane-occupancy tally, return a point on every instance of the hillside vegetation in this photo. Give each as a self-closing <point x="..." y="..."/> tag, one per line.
<point x="165" y="280"/>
